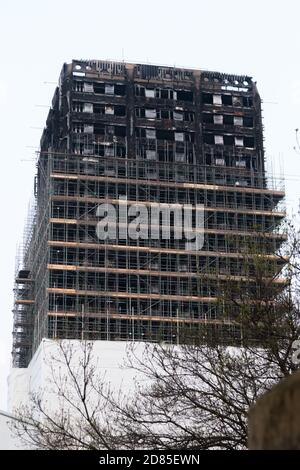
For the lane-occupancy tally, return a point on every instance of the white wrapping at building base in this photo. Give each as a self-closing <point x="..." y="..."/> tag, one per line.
<point x="108" y="358"/>
<point x="7" y="441"/>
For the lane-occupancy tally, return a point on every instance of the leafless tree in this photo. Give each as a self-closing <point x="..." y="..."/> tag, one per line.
<point x="76" y="416"/>
<point x="196" y="395"/>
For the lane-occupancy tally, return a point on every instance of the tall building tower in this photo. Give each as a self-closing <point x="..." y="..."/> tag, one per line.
<point x="140" y="135"/>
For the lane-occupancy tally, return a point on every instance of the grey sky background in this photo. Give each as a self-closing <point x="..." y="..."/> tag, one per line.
<point x="260" y="39"/>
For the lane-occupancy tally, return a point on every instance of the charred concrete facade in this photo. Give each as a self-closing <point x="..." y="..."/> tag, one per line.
<point x="149" y="134"/>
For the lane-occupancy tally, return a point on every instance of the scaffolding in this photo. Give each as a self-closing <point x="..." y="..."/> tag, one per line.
<point x="24" y="297"/>
<point x="114" y="135"/>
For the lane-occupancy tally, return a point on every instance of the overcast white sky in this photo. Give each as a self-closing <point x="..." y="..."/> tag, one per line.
<point x="260" y="38"/>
